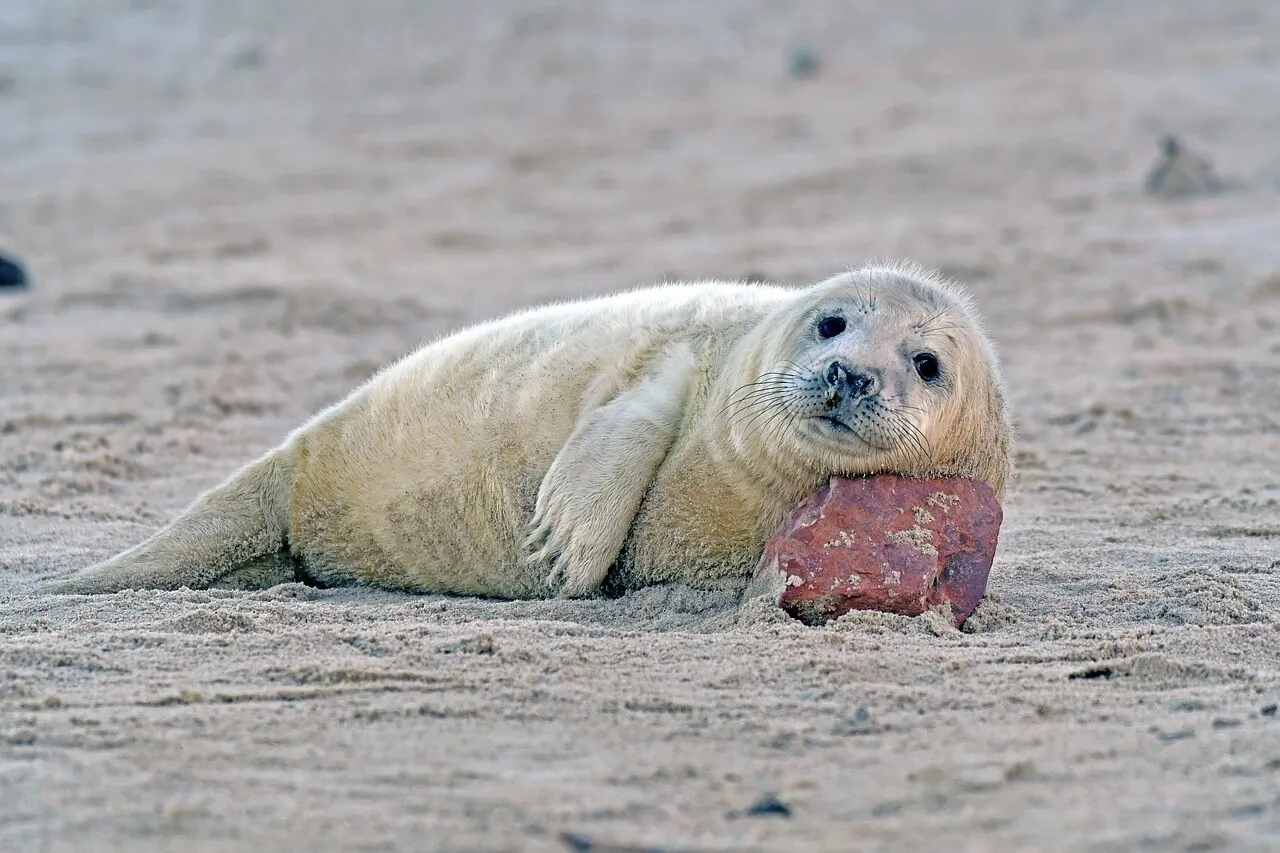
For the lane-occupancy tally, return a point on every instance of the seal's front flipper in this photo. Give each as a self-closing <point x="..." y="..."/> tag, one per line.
<point x="590" y="495"/>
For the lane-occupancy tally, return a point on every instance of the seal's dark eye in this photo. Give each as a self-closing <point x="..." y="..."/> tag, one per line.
<point x="927" y="366"/>
<point x="829" y="327"/>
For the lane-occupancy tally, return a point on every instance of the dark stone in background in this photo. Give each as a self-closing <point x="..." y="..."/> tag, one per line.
<point x="11" y="273"/>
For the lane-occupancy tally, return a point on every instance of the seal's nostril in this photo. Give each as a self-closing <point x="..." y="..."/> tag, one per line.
<point x="861" y="385"/>
<point x="841" y="379"/>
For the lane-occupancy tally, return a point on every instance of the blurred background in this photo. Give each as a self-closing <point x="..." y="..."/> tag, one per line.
<point x="495" y="152"/>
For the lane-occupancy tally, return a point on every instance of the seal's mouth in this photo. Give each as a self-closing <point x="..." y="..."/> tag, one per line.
<point x="842" y="433"/>
<point x="835" y="424"/>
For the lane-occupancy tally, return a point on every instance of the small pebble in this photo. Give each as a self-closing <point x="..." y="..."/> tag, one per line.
<point x="584" y="844"/>
<point x="1179" y="172"/>
<point x="11" y="273"/>
<point x="803" y="62"/>
<point x="1181" y="734"/>
<point x="857" y="724"/>
<point x="247" y="56"/>
<point x="768" y="805"/>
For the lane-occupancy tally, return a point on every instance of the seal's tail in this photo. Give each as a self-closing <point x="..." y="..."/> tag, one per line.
<point x="231" y="525"/>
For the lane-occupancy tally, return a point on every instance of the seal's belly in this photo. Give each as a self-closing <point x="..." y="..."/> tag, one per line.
<point x="685" y="555"/>
<point x="695" y="529"/>
<point x="405" y="509"/>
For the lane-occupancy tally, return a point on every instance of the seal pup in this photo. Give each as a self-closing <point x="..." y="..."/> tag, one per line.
<point x="657" y="435"/>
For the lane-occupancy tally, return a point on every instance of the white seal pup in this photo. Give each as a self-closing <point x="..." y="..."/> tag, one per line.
<point x="662" y="433"/>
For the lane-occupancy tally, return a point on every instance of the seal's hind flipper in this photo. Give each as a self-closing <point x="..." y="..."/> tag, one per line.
<point x="262" y="573"/>
<point x="238" y="522"/>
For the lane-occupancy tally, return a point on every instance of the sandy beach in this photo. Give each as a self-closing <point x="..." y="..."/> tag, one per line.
<point x="235" y="212"/>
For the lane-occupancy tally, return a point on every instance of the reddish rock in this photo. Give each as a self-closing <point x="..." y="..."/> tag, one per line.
<point x="892" y="543"/>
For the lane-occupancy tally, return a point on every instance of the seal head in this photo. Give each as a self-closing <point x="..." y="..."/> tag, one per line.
<point x="879" y="369"/>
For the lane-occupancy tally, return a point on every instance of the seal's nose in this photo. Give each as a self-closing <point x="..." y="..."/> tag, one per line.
<point x="841" y="382"/>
